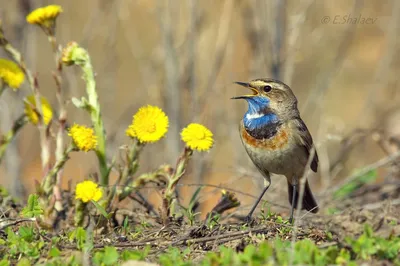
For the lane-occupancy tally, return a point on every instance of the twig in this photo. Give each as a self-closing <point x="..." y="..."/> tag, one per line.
<point x="324" y="80"/>
<point x="293" y="41"/>
<point x="299" y="206"/>
<point x="378" y="205"/>
<point x="221" y="43"/>
<point x="48" y="180"/>
<point x="117" y="245"/>
<point x="4" y="225"/>
<point x="348" y="143"/>
<point x="171" y="68"/>
<point x="278" y="37"/>
<point x="329" y="244"/>
<point x="382" y="162"/>
<point x="191" y="240"/>
<point x="383" y="67"/>
<point x="144" y="202"/>
<point x="237" y="192"/>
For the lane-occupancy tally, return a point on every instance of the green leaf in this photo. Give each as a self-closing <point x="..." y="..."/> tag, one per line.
<point x="79" y="234"/>
<point x="135" y="254"/>
<point x="32" y="209"/>
<point x="266" y="250"/>
<point x="98" y="258"/>
<point x="353" y="185"/>
<point x="26" y="233"/>
<point x="4" y="262"/>
<point x="368" y="230"/>
<point x="54" y="252"/>
<point x="110" y="256"/>
<point x="24" y="262"/>
<point x="82" y="103"/>
<point x="101" y="209"/>
<point x="131" y="255"/>
<point x="125" y="223"/>
<point x="193" y="200"/>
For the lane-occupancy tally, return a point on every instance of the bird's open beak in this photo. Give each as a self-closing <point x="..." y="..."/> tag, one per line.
<point x="247" y="85"/>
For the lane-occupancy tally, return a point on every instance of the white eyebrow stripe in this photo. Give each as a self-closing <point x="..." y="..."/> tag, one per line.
<point x="254" y="115"/>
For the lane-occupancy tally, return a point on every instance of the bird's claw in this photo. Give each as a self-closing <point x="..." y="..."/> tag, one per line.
<point x="248" y="220"/>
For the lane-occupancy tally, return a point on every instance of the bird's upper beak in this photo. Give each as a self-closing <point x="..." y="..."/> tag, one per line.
<point x="247" y="85"/>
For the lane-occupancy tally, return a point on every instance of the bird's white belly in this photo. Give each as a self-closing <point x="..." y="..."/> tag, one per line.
<point x="274" y="161"/>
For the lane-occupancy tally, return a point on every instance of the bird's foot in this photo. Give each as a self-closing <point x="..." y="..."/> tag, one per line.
<point x="249" y="220"/>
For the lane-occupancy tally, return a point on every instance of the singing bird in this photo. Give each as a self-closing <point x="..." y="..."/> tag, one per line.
<point x="277" y="140"/>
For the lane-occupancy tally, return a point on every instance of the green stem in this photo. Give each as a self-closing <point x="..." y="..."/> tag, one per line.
<point x="80" y="209"/>
<point x="97" y="121"/>
<point x="2" y="87"/>
<point x="178" y="173"/>
<point x="132" y="163"/>
<point x="49" y="179"/>
<point x="44" y="142"/>
<point x="62" y="119"/>
<point x="6" y="140"/>
<point x="73" y="54"/>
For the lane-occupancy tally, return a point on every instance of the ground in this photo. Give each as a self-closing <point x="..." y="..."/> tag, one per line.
<point x="144" y="234"/>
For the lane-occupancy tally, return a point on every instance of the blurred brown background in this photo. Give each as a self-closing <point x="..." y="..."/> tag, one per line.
<point x="341" y="58"/>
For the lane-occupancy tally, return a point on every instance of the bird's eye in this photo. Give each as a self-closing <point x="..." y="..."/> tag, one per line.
<point x="267" y="88"/>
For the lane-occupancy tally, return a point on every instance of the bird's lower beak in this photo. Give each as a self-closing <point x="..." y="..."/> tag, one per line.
<point x="247" y="85"/>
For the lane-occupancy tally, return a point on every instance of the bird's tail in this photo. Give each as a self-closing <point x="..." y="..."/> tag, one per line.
<point x="309" y="202"/>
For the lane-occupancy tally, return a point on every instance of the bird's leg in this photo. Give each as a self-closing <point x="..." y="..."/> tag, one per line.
<point x="293" y="202"/>
<point x="248" y="217"/>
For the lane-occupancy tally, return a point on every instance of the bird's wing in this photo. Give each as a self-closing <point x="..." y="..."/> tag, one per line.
<point x="306" y="141"/>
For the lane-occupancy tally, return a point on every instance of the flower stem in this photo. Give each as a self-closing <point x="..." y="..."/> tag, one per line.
<point x="48" y="181"/>
<point x="80" y="208"/>
<point x="62" y="119"/>
<point x="179" y="172"/>
<point x="132" y="161"/>
<point x="95" y="113"/>
<point x="2" y="87"/>
<point x="43" y="130"/>
<point x="6" y="140"/>
<point x="172" y="181"/>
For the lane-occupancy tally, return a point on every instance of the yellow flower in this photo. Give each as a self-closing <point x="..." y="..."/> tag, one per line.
<point x="31" y="110"/>
<point x="83" y="137"/>
<point x="11" y="74"/>
<point x="130" y="132"/>
<point x="197" y="137"/>
<point x="67" y="56"/>
<point x="87" y="191"/>
<point x="149" y="124"/>
<point x="44" y="16"/>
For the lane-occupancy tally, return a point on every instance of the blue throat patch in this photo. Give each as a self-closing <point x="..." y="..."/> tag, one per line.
<point x="255" y="117"/>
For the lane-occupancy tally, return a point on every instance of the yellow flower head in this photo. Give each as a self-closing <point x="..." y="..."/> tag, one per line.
<point x="83" y="137"/>
<point x="31" y="110"/>
<point x="87" y="191"/>
<point x="67" y="56"/>
<point x="130" y="132"/>
<point x="11" y="74"/>
<point x="44" y="16"/>
<point x="149" y="124"/>
<point x="197" y="137"/>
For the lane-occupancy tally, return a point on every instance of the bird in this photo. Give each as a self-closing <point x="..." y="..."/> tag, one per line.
<point x="277" y="140"/>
